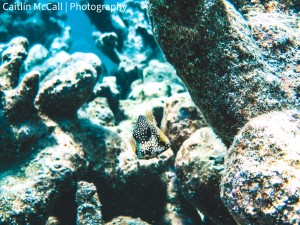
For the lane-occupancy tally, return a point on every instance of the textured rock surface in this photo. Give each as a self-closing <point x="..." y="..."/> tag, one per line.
<point x="20" y="124"/>
<point x="125" y="220"/>
<point x="13" y="57"/>
<point x="177" y="211"/>
<point x="98" y="112"/>
<point x="199" y="166"/>
<point x="127" y="40"/>
<point x="52" y="220"/>
<point x="89" y="205"/>
<point x="47" y="146"/>
<point x="181" y="119"/>
<point x="52" y="63"/>
<point x="63" y="95"/>
<point x="261" y="180"/>
<point x="36" y="55"/>
<point x="28" y="191"/>
<point x="237" y="61"/>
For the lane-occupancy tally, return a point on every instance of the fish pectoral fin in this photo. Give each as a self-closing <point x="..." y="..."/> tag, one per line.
<point x="162" y="137"/>
<point x="150" y="117"/>
<point x="133" y="145"/>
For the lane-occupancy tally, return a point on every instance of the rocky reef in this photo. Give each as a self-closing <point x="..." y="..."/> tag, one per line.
<point x="66" y="119"/>
<point x="238" y="59"/>
<point x="66" y="122"/>
<point x="240" y="62"/>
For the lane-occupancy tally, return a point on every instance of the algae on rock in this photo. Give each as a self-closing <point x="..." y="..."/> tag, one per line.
<point x="219" y="52"/>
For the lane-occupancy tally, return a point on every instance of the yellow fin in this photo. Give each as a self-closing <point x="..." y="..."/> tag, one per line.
<point x="133" y="145"/>
<point x="162" y="137"/>
<point x="150" y="117"/>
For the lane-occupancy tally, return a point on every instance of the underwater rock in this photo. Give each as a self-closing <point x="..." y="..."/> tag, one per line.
<point x="52" y="63"/>
<point x="159" y="79"/>
<point x="62" y="43"/>
<point x="108" y="89"/>
<point x="98" y="112"/>
<point x="260" y="184"/>
<point x="176" y="210"/>
<point x="30" y="23"/>
<point x="107" y="43"/>
<point x="237" y="61"/>
<point x="20" y="125"/>
<point x="64" y="90"/>
<point x="126" y="38"/>
<point x="89" y="205"/>
<point x="157" y="71"/>
<point x="181" y="119"/>
<point x="29" y="189"/>
<point x="116" y="171"/>
<point x="13" y="57"/>
<point x="125" y="220"/>
<point x="199" y="166"/>
<point x="36" y="55"/>
<point x="150" y="90"/>
<point x="112" y="159"/>
<point x="52" y="220"/>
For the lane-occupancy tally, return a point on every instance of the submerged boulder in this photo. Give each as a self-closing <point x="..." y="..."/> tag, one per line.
<point x="260" y="184"/>
<point x="199" y="166"/>
<point x="238" y="60"/>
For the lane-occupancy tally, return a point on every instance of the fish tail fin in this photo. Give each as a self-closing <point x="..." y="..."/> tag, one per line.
<point x="133" y="145"/>
<point x="163" y="138"/>
<point x="149" y="115"/>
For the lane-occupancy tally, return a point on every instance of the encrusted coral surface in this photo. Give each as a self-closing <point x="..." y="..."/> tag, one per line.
<point x="238" y="60"/>
<point x="261" y="180"/>
<point x="181" y="119"/>
<point x="66" y="119"/>
<point x="65" y="124"/>
<point x="199" y="165"/>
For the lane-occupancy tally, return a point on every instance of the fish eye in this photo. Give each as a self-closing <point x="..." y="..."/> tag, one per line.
<point x="147" y="156"/>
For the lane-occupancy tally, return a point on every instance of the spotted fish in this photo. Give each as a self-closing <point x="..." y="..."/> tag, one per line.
<point x="148" y="140"/>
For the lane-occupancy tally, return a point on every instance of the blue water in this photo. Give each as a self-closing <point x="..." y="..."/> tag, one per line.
<point x="81" y="31"/>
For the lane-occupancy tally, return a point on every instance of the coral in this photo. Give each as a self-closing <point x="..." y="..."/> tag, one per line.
<point x="177" y="211"/>
<point x="159" y="79"/>
<point x="199" y="166"/>
<point x="20" y="125"/>
<point x="237" y="61"/>
<point x="89" y="206"/>
<point x="52" y="221"/>
<point x="68" y="147"/>
<point x="63" y="95"/>
<point x="66" y="122"/>
<point x="48" y="157"/>
<point x="126" y="221"/>
<point x="181" y="119"/>
<point x="36" y="55"/>
<point x="12" y="58"/>
<point x="128" y="41"/>
<point x="51" y="63"/>
<point x="261" y="179"/>
<point x="28" y="191"/>
<point x="62" y="43"/>
<point x="98" y="111"/>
